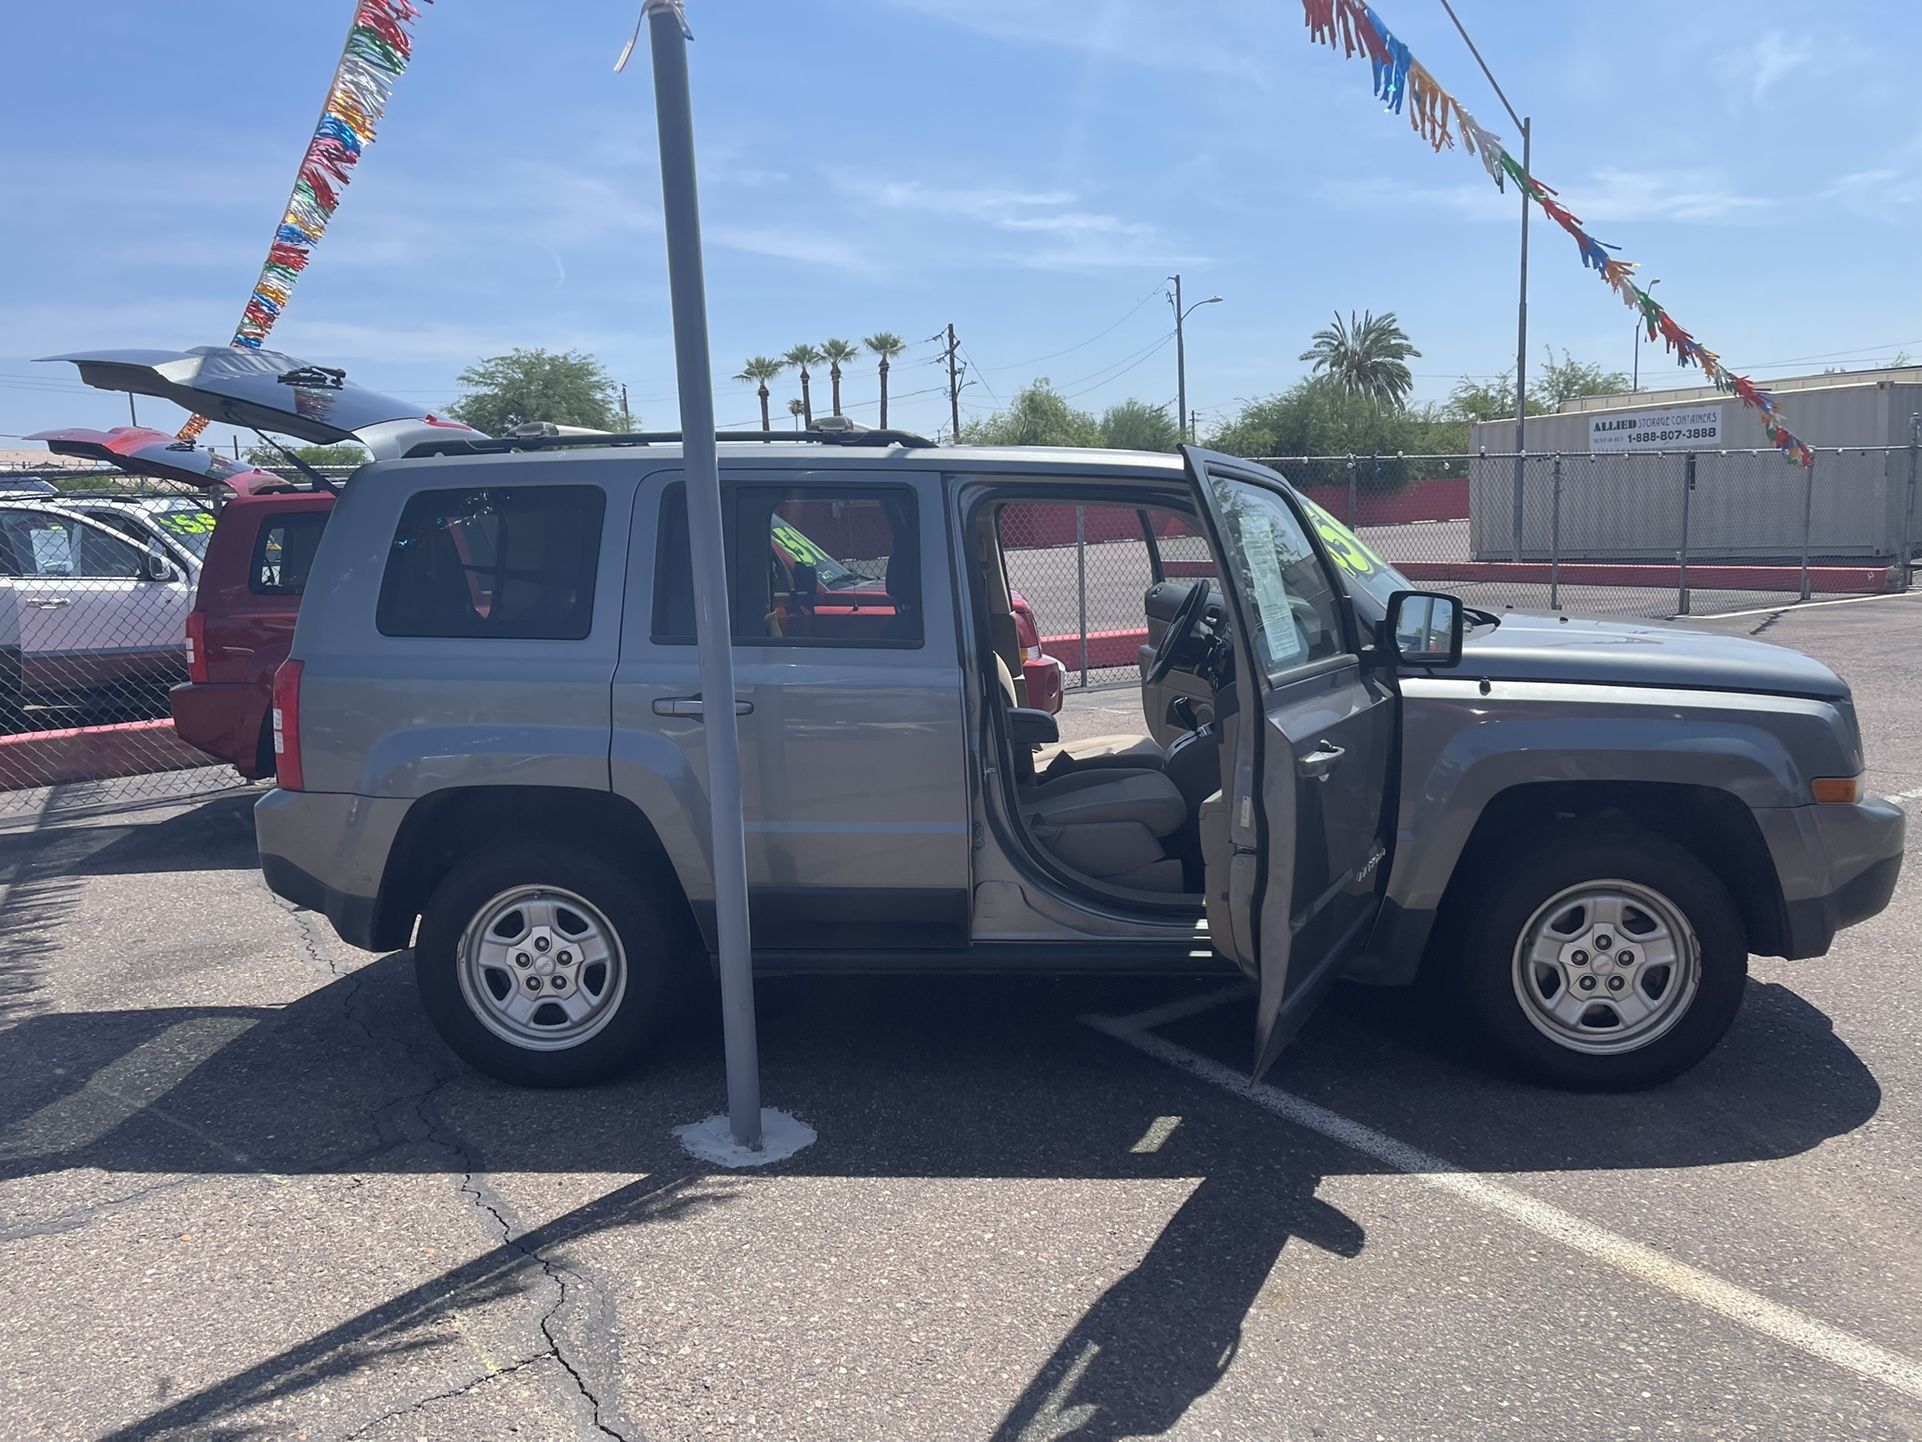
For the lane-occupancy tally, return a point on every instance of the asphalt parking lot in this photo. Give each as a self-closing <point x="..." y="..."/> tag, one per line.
<point x="244" y="1192"/>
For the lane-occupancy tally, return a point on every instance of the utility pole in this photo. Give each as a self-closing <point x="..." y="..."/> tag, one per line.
<point x="132" y="418"/>
<point x="1181" y="356"/>
<point x="1181" y="349"/>
<point x="954" y="384"/>
<point x="1194" y="425"/>
<point x="627" y="421"/>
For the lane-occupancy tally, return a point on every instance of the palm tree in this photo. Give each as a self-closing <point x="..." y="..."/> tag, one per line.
<point x="797" y="409"/>
<point x="838" y="353"/>
<point x="1365" y="358"/>
<point x="801" y="357"/>
<point x="884" y="345"/>
<point x="760" y="370"/>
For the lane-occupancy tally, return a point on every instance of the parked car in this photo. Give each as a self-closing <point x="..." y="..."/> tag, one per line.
<point x="98" y="618"/>
<point x="489" y="739"/>
<point x="242" y="623"/>
<point x="180" y="526"/>
<point x="1040" y="673"/>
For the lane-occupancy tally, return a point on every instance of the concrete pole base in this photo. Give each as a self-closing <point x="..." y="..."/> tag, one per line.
<point x="713" y="1140"/>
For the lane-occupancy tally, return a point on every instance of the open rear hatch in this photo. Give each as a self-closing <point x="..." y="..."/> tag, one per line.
<point x="140" y="451"/>
<point x="267" y="391"/>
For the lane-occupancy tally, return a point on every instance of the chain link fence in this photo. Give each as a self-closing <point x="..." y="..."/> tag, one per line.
<point x="1644" y="535"/>
<point x="97" y="576"/>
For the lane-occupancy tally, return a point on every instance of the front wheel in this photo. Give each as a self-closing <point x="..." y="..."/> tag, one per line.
<point x="1604" y="963"/>
<point x="546" y="966"/>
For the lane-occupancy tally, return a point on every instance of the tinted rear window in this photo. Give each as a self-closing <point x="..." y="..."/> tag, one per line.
<point x="283" y="553"/>
<point x="511" y="563"/>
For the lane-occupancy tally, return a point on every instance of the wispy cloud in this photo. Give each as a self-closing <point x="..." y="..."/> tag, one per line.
<point x="1770" y="59"/>
<point x="1604" y="196"/>
<point x="1055" y="231"/>
<point x="1147" y="33"/>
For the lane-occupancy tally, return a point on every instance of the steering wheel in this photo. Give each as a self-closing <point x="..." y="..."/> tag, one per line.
<point x="1180" y="631"/>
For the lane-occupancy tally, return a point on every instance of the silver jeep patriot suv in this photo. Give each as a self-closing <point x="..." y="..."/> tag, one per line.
<point x="491" y="746"/>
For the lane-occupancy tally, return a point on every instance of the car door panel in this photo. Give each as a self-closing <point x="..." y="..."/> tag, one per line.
<point x="1308" y="741"/>
<point x="853" y="755"/>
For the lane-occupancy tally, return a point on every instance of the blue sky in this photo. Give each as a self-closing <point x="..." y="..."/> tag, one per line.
<point x="1028" y="169"/>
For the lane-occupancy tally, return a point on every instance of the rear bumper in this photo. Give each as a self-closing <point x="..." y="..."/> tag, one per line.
<point x="328" y="852"/>
<point x="1043" y="680"/>
<point x="223" y="719"/>
<point x="1838" y="866"/>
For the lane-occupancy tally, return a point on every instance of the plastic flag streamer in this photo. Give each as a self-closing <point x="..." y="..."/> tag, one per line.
<point x="377" y="50"/>
<point x="1402" y="82"/>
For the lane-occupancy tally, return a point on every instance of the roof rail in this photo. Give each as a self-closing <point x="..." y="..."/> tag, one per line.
<point x="827" y="436"/>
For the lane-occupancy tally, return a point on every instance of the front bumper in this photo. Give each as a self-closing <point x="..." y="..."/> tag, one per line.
<point x="1838" y="866"/>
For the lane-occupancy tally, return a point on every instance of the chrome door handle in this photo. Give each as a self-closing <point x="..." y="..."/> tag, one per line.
<point x="1319" y="762"/>
<point x="692" y="706"/>
<point x="49" y="603"/>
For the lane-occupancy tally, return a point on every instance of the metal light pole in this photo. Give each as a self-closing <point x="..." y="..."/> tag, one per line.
<point x="1521" y="312"/>
<point x="1181" y="354"/>
<point x="687" y="289"/>
<point x="1635" y="383"/>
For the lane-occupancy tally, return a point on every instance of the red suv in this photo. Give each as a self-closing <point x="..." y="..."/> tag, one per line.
<point x="242" y="623"/>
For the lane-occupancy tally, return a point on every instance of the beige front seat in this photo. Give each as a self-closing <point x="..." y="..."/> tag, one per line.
<point x="1107" y="822"/>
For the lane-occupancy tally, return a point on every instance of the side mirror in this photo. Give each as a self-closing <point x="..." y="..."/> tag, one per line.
<point x="806" y="582"/>
<point x="1425" y="628"/>
<point x="158" y="567"/>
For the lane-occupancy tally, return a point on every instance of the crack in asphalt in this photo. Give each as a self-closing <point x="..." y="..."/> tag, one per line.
<point x="76" y="1218"/>
<point x="477" y="1191"/>
<point x="1767" y="621"/>
<point x="421" y="1404"/>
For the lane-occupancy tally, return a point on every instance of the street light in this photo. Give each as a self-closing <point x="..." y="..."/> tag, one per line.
<point x="1636" y="383"/>
<point x="1181" y="355"/>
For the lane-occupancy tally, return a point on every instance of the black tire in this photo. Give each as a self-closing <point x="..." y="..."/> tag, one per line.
<point x="649" y="925"/>
<point x="1542" y="867"/>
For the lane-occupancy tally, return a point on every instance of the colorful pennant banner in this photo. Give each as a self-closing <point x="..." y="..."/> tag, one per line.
<point x="377" y="51"/>
<point x="1402" y="81"/>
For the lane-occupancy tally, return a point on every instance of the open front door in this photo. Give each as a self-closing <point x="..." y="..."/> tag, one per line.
<point x="1307" y="741"/>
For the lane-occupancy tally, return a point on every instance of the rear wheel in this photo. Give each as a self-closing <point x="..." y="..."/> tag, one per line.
<point x="1604" y="962"/>
<point x="547" y="967"/>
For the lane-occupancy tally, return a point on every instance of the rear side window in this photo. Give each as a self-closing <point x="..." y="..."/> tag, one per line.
<point x="810" y="566"/>
<point x="284" y="552"/>
<point x="509" y="563"/>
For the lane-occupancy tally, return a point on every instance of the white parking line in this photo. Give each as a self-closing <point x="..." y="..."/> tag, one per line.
<point x="1800" y="606"/>
<point x="1178" y="1010"/>
<point x="1738" y="1304"/>
<point x="1914" y="794"/>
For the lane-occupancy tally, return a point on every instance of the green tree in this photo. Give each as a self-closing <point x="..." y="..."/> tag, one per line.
<point x="1315" y="417"/>
<point x="1365" y="358"/>
<point x="1560" y="381"/>
<point x="800" y="358"/>
<point x="344" y="454"/>
<point x="1137" y="426"/>
<point x="838" y="353"/>
<point x="1478" y="400"/>
<point x="759" y="370"/>
<point x="884" y="346"/>
<point x="797" y="409"/>
<point x="1039" y="415"/>
<point x="568" y="388"/>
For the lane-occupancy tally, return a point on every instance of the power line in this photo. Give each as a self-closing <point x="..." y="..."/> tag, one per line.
<point x="1115" y="371"/>
<point x="1153" y="292"/>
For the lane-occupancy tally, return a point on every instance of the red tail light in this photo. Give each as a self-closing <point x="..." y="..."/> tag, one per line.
<point x="197" y="646"/>
<point x="286" y="724"/>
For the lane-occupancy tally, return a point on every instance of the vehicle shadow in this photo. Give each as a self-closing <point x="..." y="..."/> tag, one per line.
<point x="903" y="1078"/>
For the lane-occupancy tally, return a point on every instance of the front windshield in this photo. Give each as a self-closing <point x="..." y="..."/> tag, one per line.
<point x="801" y="550"/>
<point x="1361" y="567"/>
<point x="187" y="522"/>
